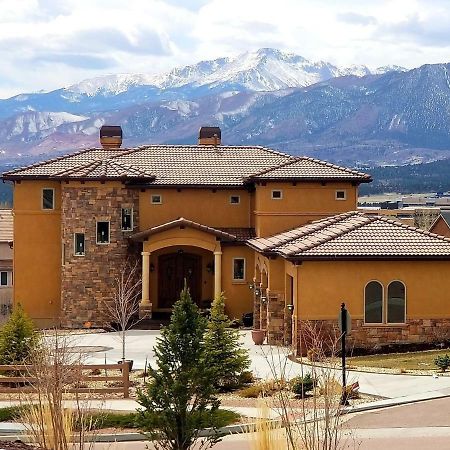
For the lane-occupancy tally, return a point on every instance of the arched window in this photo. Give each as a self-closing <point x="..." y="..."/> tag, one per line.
<point x="396" y="302"/>
<point x="373" y="303"/>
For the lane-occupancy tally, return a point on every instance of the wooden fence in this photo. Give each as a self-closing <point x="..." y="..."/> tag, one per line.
<point x="31" y="383"/>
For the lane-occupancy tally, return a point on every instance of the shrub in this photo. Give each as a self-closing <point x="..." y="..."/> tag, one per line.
<point x="180" y="399"/>
<point x="443" y="362"/>
<point x="262" y="388"/>
<point x="300" y="386"/>
<point x="18" y="338"/>
<point x="246" y="377"/>
<point x="224" y="351"/>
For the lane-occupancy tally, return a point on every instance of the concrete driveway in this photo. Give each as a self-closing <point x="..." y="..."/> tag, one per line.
<point x="267" y="362"/>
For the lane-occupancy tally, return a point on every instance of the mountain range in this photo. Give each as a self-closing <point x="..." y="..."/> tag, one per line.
<point x="350" y="115"/>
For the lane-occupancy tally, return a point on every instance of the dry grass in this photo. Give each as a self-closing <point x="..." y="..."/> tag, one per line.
<point x="407" y="361"/>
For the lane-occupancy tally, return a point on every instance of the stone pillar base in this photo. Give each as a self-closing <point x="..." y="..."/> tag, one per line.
<point x="145" y="311"/>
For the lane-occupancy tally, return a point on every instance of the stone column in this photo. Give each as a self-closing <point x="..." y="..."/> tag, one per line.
<point x="217" y="273"/>
<point x="275" y="317"/>
<point x="145" y="307"/>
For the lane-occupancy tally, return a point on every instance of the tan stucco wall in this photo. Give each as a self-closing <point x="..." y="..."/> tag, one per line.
<point x="37" y="251"/>
<point x="301" y="203"/>
<point x="206" y="206"/>
<point x="323" y="286"/>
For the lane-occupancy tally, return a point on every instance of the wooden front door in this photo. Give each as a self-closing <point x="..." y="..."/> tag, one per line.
<point x="174" y="268"/>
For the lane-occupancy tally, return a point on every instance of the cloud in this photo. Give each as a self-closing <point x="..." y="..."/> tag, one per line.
<point x="356" y="19"/>
<point x="82" y="61"/>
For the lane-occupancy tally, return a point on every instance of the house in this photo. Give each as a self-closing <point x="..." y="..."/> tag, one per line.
<point x="185" y="211"/>
<point x="442" y="224"/>
<point x="6" y="262"/>
<point x="278" y="234"/>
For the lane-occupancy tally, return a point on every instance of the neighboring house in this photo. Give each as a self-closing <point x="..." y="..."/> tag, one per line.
<point x="6" y="262"/>
<point x="442" y="224"/>
<point x="216" y="216"/>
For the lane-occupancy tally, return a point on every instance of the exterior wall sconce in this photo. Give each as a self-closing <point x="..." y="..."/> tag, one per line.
<point x="210" y="267"/>
<point x="290" y="308"/>
<point x="263" y="300"/>
<point x="257" y="291"/>
<point x="152" y="267"/>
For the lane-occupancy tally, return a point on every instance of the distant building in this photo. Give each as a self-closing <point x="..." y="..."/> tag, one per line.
<point x="6" y="262"/>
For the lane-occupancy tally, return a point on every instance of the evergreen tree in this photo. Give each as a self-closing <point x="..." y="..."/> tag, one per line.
<point x="18" y="338"/>
<point x="180" y="399"/>
<point x="225" y="352"/>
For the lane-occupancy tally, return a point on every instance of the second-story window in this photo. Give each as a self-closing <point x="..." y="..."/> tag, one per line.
<point x="341" y="195"/>
<point x="127" y="219"/>
<point x="79" y="244"/>
<point x="3" y="278"/>
<point x="102" y="232"/>
<point x="48" y="198"/>
<point x="156" y="199"/>
<point x="277" y="195"/>
<point x="235" y="199"/>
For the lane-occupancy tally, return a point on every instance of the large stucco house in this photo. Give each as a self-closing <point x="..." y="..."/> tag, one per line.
<point x="277" y="234"/>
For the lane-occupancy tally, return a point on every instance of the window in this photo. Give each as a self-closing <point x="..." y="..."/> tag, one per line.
<point x="102" y="232"/>
<point x="238" y="269"/>
<point x="127" y="219"/>
<point x="396" y="302"/>
<point x="48" y="198"/>
<point x="156" y="199"/>
<point x="79" y="244"/>
<point x="3" y="278"/>
<point x="341" y="195"/>
<point x="373" y="303"/>
<point x="235" y="199"/>
<point x="277" y="195"/>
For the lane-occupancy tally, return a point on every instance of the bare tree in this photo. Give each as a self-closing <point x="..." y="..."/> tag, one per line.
<point x="123" y="310"/>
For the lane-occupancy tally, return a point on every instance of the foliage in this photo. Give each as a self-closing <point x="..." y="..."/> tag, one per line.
<point x="262" y="388"/>
<point x="224" y="351"/>
<point x="301" y="385"/>
<point x="18" y="338"/>
<point x="246" y="377"/>
<point x="180" y="400"/>
<point x="11" y="413"/>
<point x="443" y="362"/>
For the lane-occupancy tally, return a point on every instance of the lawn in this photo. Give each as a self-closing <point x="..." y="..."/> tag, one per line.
<point x="407" y="361"/>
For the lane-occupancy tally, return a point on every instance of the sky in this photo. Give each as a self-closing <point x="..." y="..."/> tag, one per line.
<point x="48" y="44"/>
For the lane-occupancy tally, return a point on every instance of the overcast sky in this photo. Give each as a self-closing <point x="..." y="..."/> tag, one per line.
<point x="47" y="44"/>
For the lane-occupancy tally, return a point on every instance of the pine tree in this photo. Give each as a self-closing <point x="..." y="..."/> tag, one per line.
<point x="225" y="352"/>
<point x="18" y="338"/>
<point x="180" y="399"/>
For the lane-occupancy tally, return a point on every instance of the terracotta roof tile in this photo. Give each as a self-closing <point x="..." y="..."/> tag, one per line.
<point x="354" y="235"/>
<point x="186" y="165"/>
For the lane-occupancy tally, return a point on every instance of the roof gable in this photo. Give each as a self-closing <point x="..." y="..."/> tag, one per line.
<point x="357" y="236"/>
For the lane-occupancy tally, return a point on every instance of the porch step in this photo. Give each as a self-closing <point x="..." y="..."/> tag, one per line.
<point x="157" y="321"/>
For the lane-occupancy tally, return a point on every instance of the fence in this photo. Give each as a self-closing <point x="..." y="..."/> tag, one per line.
<point x="31" y="383"/>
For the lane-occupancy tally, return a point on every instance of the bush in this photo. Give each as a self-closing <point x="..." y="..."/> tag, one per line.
<point x="18" y="338"/>
<point x="443" y="362"/>
<point x="262" y="388"/>
<point x="246" y="377"/>
<point x="300" y="386"/>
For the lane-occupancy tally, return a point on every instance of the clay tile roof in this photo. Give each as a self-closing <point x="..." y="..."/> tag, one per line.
<point x="182" y="222"/>
<point x="354" y="235"/>
<point x="6" y="225"/>
<point x="302" y="168"/>
<point x="186" y="165"/>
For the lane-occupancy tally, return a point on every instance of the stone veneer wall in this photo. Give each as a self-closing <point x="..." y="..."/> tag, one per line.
<point x="275" y="318"/>
<point x="373" y="337"/>
<point x="87" y="281"/>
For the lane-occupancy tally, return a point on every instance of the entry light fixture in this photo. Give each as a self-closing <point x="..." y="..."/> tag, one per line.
<point x="210" y="267"/>
<point x="290" y="308"/>
<point x="152" y="267"/>
<point x="263" y="300"/>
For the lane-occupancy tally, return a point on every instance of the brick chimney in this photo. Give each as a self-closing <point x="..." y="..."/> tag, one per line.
<point x="209" y="136"/>
<point x="110" y="136"/>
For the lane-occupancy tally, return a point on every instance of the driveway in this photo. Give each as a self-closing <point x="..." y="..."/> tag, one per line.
<point x="266" y="361"/>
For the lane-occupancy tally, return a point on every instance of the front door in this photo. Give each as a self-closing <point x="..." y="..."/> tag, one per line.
<point x="174" y="268"/>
